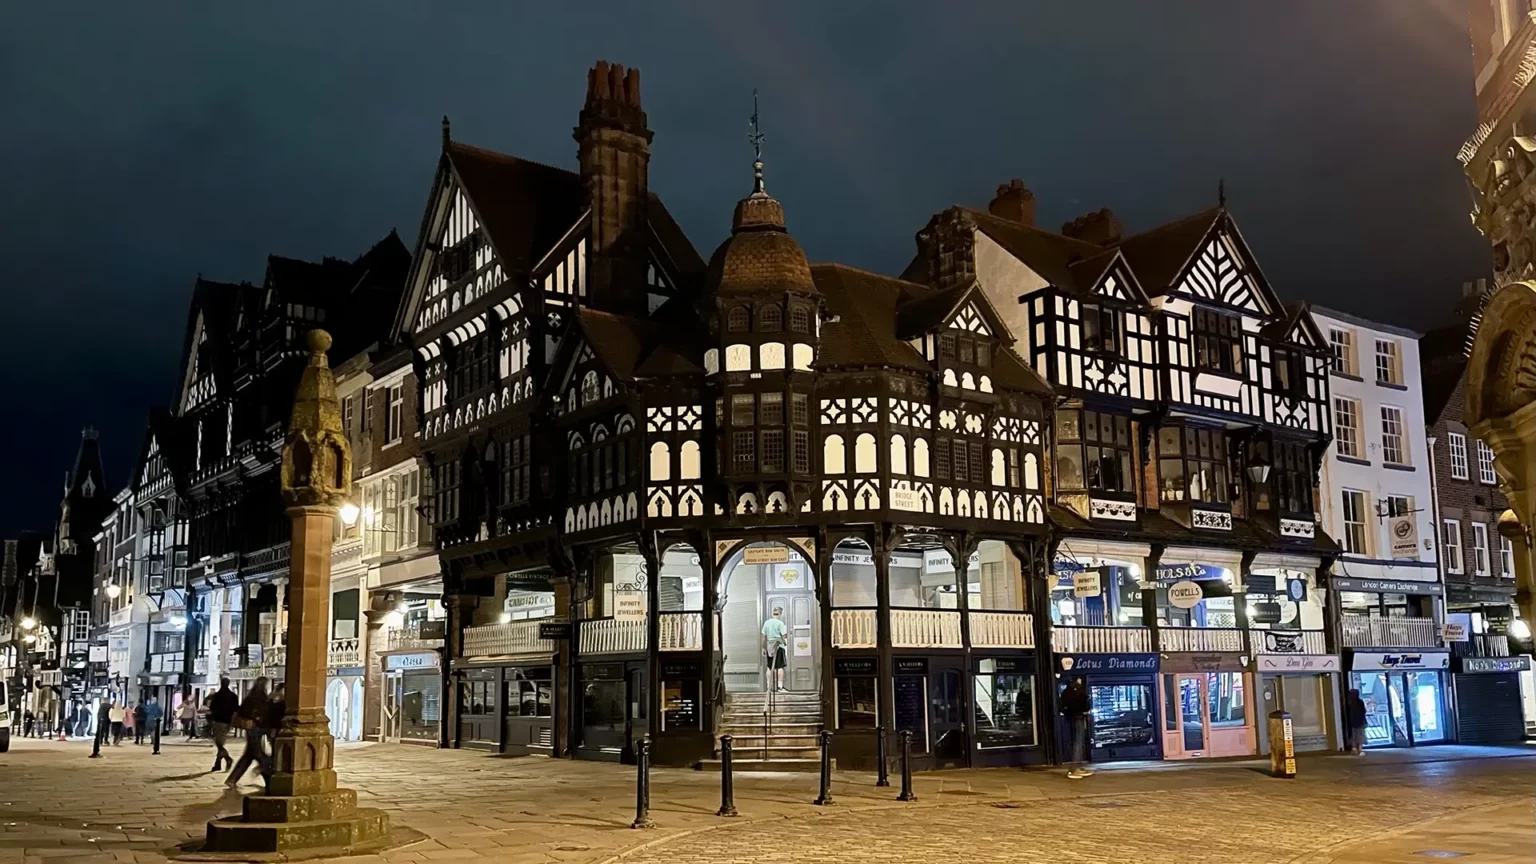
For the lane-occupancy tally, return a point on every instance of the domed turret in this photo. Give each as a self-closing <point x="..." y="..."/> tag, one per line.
<point x="760" y="255"/>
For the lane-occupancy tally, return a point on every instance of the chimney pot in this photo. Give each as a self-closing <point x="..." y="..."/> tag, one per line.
<point x="1014" y="202"/>
<point x="1100" y="227"/>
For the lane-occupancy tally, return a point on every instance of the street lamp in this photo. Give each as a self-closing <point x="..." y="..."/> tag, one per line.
<point x="114" y="590"/>
<point x="28" y="623"/>
<point x="349" y="513"/>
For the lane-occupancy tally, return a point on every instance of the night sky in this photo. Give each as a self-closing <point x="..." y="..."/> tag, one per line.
<point x="143" y="145"/>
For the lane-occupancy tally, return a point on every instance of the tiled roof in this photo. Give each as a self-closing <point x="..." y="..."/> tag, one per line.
<point x="865" y="331"/>
<point x="1159" y="255"/>
<point x="526" y="207"/>
<point x="1049" y="254"/>
<point x="632" y="348"/>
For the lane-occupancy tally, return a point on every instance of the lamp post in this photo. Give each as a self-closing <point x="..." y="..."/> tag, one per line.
<point x="302" y="807"/>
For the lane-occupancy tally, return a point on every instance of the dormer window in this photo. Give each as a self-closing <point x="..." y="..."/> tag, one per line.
<point x="738" y="320"/>
<point x="1288" y="377"/>
<point x="1101" y="329"/>
<point x="1218" y="341"/>
<point x="770" y="319"/>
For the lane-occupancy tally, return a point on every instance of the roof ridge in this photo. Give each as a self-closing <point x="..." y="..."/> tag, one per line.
<point x="497" y="154"/>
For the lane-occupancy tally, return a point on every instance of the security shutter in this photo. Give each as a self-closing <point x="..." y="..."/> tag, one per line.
<point x="1488" y="709"/>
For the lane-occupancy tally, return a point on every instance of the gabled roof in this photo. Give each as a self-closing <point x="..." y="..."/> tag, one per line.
<point x="633" y="348"/>
<point x="865" y="305"/>
<point x="927" y="312"/>
<point x="218" y="306"/>
<point x="1092" y="273"/>
<point x="1297" y="327"/>
<point x="1049" y="254"/>
<point x="1161" y="254"/>
<point x="525" y="206"/>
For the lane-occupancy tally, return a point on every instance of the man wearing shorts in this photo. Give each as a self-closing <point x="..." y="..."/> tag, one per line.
<point x="774" y="640"/>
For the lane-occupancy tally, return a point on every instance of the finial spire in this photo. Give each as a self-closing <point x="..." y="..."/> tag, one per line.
<point x="447" y="132"/>
<point x="756" y="138"/>
<point x="1221" y="191"/>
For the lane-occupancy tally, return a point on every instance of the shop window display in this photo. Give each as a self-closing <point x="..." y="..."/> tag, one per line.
<point x="1122" y="714"/>
<point x="857" y="707"/>
<point x="1005" y="708"/>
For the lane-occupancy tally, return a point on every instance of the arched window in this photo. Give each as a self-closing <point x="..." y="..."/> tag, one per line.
<point x="799" y="319"/>
<point x="898" y="455"/>
<point x="688" y="459"/>
<point x="949" y="378"/>
<point x="738" y="358"/>
<point x="661" y="462"/>
<point x="1031" y="471"/>
<point x="999" y="467"/>
<point x="804" y="356"/>
<point x="738" y="320"/>
<point x="770" y="319"/>
<point x="864" y="454"/>
<point x="590" y="390"/>
<point x="770" y="355"/>
<point x="832" y="461"/>
<point x="711" y="361"/>
<point x="920" y="457"/>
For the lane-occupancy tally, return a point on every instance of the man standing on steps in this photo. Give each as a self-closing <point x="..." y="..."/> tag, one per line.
<point x="774" y="638"/>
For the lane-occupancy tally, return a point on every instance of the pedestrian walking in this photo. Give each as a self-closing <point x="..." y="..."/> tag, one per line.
<point x="187" y="714"/>
<point x="133" y="718"/>
<point x="27" y="721"/>
<point x="252" y="717"/>
<point x="1354" y="716"/>
<point x="275" y="711"/>
<point x="222" y="706"/>
<point x="1075" y="704"/>
<point x="115" y="716"/>
<point x="138" y="724"/>
<point x="103" y="726"/>
<point x="153" y="714"/>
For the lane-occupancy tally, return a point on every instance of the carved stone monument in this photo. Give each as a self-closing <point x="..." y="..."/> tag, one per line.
<point x="302" y="808"/>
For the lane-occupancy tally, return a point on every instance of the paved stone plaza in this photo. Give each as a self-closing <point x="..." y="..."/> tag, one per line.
<point x="59" y="806"/>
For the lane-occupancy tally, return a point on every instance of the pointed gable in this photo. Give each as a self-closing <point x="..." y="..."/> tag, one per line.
<point x="1204" y="258"/>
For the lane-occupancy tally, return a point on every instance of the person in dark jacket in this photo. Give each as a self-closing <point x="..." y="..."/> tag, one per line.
<point x="1075" y="704"/>
<point x="153" y="714"/>
<point x="252" y="716"/>
<point x="1354" y="722"/>
<point x="103" y="726"/>
<point x="275" y="711"/>
<point x="221" y="715"/>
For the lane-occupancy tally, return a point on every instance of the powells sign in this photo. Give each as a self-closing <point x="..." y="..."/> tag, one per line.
<point x="1186" y="594"/>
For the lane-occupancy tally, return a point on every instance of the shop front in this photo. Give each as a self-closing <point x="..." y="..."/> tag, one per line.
<point x="412" y="696"/>
<point x="1302" y="685"/>
<point x="1006" y="709"/>
<point x="1405" y="696"/>
<point x="1122" y="697"/>
<point x="1208" y="705"/>
<point x="507" y="708"/>
<point x="1488" y="699"/>
<point x="612" y="712"/>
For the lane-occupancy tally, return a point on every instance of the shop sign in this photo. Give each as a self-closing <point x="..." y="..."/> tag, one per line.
<point x="906" y="499"/>
<point x="1005" y="664"/>
<point x="1405" y="536"/>
<point x="1496" y="664"/>
<point x="1296" y="589"/>
<point x="1454" y="631"/>
<point x="1385" y="586"/>
<point x="398" y="662"/>
<point x="1079" y="663"/>
<point x="1176" y="572"/>
<point x="939" y="560"/>
<point x="862" y="558"/>
<point x="98" y="654"/>
<point x="1465" y="594"/>
<point x="1186" y="594"/>
<point x="1262" y="583"/>
<point x="765" y="555"/>
<point x="1198" y="661"/>
<point x="1284" y="642"/>
<point x="1266" y="613"/>
<point x="911" y="665"/>
<point x="861" y="666"/>
<point x="1296" y="663"/>
<point x="554" y="629"/>
<point x="676" y="670"/>
<point x="1086" y="584"/>
<point x="1067" y="567"/>
<point x="628" y="606"/>
<point x="1401" y="660"/>
<point x="603" y="672"/>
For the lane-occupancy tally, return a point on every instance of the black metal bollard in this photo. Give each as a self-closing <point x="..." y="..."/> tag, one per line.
<point x="643" y="785"/>
<point x="884" y="778"/>
<point x="906" y="767"/>
<point x="825" y="796"/>
<point x="727" y="783"/>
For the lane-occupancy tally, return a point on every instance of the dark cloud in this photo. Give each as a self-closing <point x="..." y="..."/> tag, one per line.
<point x="147" y="143"/>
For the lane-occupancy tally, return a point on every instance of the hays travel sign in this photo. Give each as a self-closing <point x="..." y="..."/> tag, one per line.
<point x="1401" y="660"/>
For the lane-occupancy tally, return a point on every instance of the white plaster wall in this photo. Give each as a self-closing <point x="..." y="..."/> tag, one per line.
<point x="1003" y="278"/>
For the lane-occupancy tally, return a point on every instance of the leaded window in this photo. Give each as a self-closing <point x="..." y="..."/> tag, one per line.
<point x="1192" y="464"/>
<point x="773" y="451"/>
<point x="1101" y="329"/>
<point x="772" y="409"/>
<point x="770" y="318"/>
<point x="1218" y="340"/>
<point x="738" y="320"/>
<point x="1293" y="477"/>
<point x="1094" y="452"/>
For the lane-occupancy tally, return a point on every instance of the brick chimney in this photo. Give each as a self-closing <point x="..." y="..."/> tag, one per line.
<point x="614" y="151"/>
<point x="1101" y="228"/>
<point x="1014" y="202"/>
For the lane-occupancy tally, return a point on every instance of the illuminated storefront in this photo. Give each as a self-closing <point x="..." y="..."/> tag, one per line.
<point x="1404" y="694"/>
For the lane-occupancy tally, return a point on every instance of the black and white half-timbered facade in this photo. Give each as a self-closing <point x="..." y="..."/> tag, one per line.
<point x="658" y="481"/>
<point x="244" y="350"/>
<point x="1191" y="416"/>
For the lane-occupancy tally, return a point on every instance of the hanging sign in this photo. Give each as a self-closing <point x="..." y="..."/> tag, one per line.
<point x="1186" y="594"/>
<point x="765" y="555"/>
<point x="1067" y="567"/>
<point x="1405" y="536"/>
<point x="1266" y="613"/>
<point x="1086" y="584"/>
<point x="628" y="606"/>
<point x="1455" y="631"/>
<point x="1296" y="589"/>
<point x="1284" y="642"/>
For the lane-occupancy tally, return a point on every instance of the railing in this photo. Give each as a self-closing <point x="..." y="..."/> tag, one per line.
<point x="1482" y="645"/>
<point x="1361" y="632"/>
<point x="345" y="652"/>
<point x="1002" y="630"/>
<point x="1199" y="639"/>
<point x="610" y="636"/>
<point x="511" y="637"/>
<point x="680" y="631"/>
<point x="853" y="628"/>
<point x="406" y="640"/>
<point x="1288" y="642"/>
<point x="1101" y="640"/>
<point x="925" y="628"/>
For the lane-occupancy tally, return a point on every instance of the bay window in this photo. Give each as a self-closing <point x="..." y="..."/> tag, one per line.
<point x="1293" y="478"/>
<point x="1218" y="341"/>
<point x="1101" y="329"/>
<point x="1192" y="464"/>
<point x="1094" y="452"/>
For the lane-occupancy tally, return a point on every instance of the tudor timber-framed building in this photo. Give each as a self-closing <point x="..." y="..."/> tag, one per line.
<point x="637" y="456"/>
<point x="1193" y="414"/>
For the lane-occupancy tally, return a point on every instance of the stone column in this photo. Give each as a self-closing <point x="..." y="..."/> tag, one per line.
<point x="302" y="808"/>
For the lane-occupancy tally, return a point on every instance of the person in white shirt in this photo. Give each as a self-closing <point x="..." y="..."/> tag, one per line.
<point x="775" y="633"/>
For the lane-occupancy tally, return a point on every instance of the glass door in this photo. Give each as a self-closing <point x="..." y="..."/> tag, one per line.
<point x="1426" y="706"/>
<point x="947" y="717"/>
<point x="1383" y="708"/>
<point x="1186" y="726"/>
<point x="390" y="726"/>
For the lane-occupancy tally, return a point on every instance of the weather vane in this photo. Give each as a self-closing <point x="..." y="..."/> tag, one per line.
<point x="756" y="139"/>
